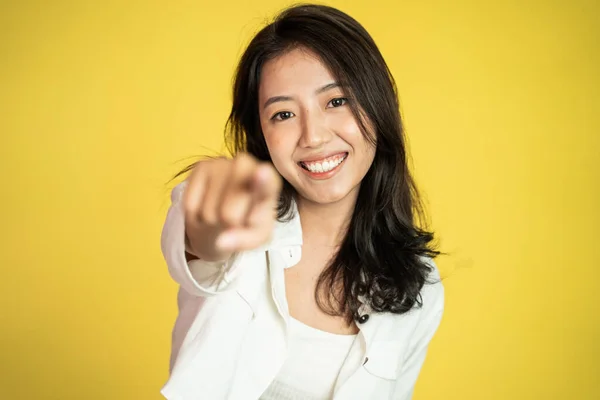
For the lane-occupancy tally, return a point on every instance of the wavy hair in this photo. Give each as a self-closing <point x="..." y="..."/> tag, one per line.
<point x="382" y="259"/>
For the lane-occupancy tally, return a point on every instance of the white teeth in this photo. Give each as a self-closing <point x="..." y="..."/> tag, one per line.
<point x="324" y="166"/>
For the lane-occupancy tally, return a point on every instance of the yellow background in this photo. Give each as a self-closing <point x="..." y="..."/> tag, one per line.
<point x="101" y="102"/>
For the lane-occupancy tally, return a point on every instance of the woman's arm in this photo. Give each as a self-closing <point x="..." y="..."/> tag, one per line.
<point x="197" y="277"/>
<point x="226" y="208"/>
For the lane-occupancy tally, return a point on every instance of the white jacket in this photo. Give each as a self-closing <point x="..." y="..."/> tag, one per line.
<point x="229" y="340"/>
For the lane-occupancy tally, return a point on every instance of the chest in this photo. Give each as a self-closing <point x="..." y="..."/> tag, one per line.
<point x="308" y="301"/>
<point x="238" y="342"/>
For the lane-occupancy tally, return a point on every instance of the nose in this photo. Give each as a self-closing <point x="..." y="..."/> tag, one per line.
<point x="315" y="132"/>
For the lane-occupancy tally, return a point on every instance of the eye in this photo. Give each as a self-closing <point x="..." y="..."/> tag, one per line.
<point x="282" y="116"/>
<point x="338" y="102"/>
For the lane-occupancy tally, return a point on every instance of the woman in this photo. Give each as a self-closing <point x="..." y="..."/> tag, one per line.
<point x="303" y="272"/>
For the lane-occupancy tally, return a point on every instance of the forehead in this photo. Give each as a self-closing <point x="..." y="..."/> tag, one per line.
<point x="299" y="70"/>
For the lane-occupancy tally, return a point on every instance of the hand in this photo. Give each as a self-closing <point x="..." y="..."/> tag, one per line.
<point x="230" y="205"/>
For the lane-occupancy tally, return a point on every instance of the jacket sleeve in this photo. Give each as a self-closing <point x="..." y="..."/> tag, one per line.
<point x="197" y="277"/>
<point x="433" y="308"/>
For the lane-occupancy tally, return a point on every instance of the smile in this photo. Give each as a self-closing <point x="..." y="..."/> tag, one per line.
<point x="325" y="165"/>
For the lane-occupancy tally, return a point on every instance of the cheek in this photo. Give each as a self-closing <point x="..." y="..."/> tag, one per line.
<point x="275" y="145"/>
<point x="349" y="131"/>
<point x="274" y="142"/>
<point x="345" y="125"/>
<point x="370" y="154"/>
<point x="281" y="147"/>
<point x="281" y="137"/>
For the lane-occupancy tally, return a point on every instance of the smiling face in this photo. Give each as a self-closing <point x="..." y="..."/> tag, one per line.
<point x="314" y="140"/>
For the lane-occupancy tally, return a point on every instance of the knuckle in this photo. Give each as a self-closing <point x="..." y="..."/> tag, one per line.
<point x="226" y="216"/>
<point x="205" y="216"/>
<point x="198" y="169"/>
<point x="242" y="157"/>
<point x="244" y="160"/>
<point x="199" y="215"/>
<point x="231" y="212"/>
<point x="189" y="203"/>
<point x="219" y="167"/>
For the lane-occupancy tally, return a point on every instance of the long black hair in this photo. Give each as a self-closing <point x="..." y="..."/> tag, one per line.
<point x="381" y="260"/>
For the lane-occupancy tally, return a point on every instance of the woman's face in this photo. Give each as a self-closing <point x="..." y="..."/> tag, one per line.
<point x="313" y="138"/>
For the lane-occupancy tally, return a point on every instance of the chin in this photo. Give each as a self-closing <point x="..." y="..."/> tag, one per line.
<point x="328" y="197"/>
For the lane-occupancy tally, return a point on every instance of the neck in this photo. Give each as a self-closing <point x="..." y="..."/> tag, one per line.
<point x="326" y="224"/>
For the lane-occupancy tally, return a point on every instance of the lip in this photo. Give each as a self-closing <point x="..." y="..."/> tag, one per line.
<point x="328" y="174"/>
<point x="323" y="156"/>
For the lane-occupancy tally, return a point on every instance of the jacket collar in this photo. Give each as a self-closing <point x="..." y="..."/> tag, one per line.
<point x="384" y="341"/>
<point x="287" y="237"/>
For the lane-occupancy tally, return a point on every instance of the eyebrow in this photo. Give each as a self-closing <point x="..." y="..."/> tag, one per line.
<point x="276" y="99"/>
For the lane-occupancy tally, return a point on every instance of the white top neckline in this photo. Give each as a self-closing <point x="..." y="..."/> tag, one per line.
<point x="312" y="365"/>
<point x="307" y="331"/>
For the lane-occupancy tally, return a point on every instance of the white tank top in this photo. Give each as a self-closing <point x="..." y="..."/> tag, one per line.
<point x="313" y="362"/>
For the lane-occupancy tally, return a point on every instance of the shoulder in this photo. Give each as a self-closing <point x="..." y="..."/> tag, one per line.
<point x="432" y="293"/>
<point x="421" y="323"/>
<point x="425" y="316"/>
<point x="177" y="191"/>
